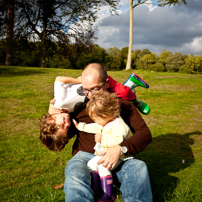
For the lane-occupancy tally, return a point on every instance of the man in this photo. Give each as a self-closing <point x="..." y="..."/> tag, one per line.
<point x="131" y="175"/>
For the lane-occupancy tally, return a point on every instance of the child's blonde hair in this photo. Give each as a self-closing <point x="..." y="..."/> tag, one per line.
<point x="49" y="135"/>
<point x="103" y="103"/>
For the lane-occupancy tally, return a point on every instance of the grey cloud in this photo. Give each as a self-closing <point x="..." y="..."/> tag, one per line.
<point x="166" y="28"/>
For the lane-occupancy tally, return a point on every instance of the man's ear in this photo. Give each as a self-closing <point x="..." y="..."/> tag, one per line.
<point x="107" y="83"/>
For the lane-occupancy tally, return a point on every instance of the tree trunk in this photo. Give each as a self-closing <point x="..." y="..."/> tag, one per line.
<point x="9" y="39"/>
<point x="130" y="48"/>
<point x="43" y="38"/>
<point x="44" y="50"/>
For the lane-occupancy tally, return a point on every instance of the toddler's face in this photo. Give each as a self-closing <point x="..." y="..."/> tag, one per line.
<point x="99" y="120"/>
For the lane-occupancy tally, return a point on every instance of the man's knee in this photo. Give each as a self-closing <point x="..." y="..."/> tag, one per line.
<point x="77" y="165"/>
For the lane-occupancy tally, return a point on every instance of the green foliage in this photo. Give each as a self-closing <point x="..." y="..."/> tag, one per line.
<point x="96" y="54"/>
<point x="77" y="56"/>
<point x="146" y="60"/>
<point x="192" y="65"/>
<point x="145" y="52"/>
<point x="164" y="56"/>
<point x="158" y="67"/>
<point x="174" y="62"/>
<point x="124" y="54"/>
<point x="116" y="59"/>
<point x="59" y="62"/>
<point x="170" y="2"/>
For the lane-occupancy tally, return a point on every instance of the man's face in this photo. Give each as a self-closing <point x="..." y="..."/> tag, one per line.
<point x="91" y="83"/>
<point x="62" y="121"/>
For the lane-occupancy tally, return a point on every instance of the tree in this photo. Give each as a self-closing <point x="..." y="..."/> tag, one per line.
<point x="124" y="53"/>
<point x="174" y="62"/>
<point x="58" y="20"/>
<point x="147" y="60"/>
<point x="192" y="65"/>
<point x="116" y="59"/>
<point x="9" y="18"/>
<point x="135" y="3"/>
<point x="163" y="56"/>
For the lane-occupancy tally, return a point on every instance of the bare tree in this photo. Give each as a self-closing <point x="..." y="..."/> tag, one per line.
<point x="135" y="3"/>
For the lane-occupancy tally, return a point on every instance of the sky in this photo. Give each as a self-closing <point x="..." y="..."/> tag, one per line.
<point x="177" y="28"/>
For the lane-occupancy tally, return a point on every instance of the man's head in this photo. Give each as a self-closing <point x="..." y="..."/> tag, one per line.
<point x="53" y="130"/>
<point x="94" y="78"/>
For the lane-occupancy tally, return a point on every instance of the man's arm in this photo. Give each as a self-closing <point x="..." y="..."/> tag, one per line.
<point x="137" y="142"/>
<point x="141" y="134"/>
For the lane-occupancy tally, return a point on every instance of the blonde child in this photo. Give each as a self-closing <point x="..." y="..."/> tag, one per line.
<point x="110" y="130"/>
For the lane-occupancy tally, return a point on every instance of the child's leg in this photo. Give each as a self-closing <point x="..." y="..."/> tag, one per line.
<point x="107" y="184"/>
<point x="134" y="80"/>
<point x="142" y="107"/>
<point x="95" y="177"/>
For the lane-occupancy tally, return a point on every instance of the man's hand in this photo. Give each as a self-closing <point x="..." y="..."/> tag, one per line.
<point x="98" y="137"/>
<point x="110" y="157"/>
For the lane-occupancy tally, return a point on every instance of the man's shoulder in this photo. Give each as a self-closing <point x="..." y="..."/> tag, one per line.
<point x="124" y="102"/>
<point x="127" y="108"/>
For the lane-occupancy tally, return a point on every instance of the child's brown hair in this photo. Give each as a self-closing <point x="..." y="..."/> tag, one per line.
<point x="103" y="103"/>
<point x="49" y="135"/>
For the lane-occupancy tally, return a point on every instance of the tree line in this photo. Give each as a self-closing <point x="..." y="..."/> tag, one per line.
<point x="60" y="34"/>
<point x="66" y="21"/>
<point x="78" y="55"/>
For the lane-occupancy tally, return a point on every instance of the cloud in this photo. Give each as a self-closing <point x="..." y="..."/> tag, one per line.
<point x="176" y="28"/>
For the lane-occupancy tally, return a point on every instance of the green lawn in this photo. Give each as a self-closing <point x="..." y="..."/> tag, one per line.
<point x="174" y="158"/>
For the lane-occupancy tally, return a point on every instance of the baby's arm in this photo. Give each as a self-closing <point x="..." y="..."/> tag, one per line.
<point x="53" y="109"/>
<point x="67" y="80"/>
<point x="88" y="128"/>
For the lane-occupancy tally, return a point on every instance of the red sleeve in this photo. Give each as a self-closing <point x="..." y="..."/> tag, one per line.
<point x="122" y="91"/>
<point x="141" y="134"/>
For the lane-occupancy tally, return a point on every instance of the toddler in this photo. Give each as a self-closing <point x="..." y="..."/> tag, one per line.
<point x="110" y="130"/>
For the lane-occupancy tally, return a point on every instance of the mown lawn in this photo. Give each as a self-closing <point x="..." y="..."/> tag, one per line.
<point x="174" y="158"/>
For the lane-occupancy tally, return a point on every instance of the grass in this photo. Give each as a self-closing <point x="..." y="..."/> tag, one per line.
<point x="174" y="158"/>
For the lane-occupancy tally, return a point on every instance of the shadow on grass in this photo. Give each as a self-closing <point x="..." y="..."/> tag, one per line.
<point x="167" y="154"/>
<point x="20" y="71"/>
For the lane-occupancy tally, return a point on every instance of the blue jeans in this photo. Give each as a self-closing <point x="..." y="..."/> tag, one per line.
<point x="132" y="176"/>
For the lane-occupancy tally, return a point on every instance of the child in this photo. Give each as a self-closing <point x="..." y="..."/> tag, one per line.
<point x="103" y="108"/>
<point x="69" y="96"/>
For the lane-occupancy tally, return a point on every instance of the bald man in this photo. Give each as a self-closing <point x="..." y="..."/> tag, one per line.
<point x="132" y="175"/>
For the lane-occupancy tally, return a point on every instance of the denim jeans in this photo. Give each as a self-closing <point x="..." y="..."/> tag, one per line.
<point x="132" y="176"/>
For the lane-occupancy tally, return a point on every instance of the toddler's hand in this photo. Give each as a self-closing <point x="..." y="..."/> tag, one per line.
<point x="98" y="137"/>
<point x="75" y="123"/>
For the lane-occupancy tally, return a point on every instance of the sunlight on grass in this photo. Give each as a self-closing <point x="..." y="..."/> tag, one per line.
<point x="174" y="158"/>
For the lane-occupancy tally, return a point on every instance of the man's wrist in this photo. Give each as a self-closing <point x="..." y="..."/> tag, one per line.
<point x="124" y="150"/>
